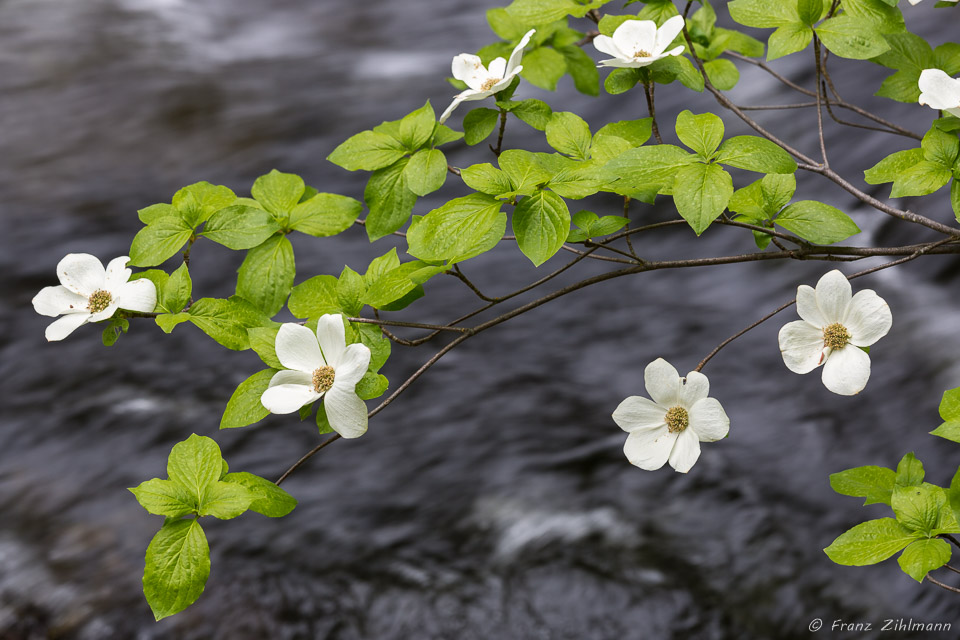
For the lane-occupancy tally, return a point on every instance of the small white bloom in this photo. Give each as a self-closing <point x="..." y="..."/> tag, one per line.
<point x="670" y="427"/>
<point x="637" y="43"/>
<point x="834" y="327"/>
<point x="90" y="293"/>
<point x="940" y="91"/>
<point x="320" y="365"/>
<point x="484" y="82"/>
<point x="915" y="2"/>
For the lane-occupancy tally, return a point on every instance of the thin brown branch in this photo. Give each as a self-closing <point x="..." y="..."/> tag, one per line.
<point x="942" y="585"/>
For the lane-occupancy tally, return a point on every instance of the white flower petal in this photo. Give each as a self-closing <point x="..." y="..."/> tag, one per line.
<point x="666" y="33"/>
<point x="139" y="295"/>
<point x="649" y="449"/>
<point x="64" y="326"/>
<point x="346" y="412"/>
<point x="517" y="53"/>
<point x="685" y="451"/>
<point x="468" y="68"/>
<point x="833" y="296"/>
<point x="81" y="273"/>
<point x="662" y="382"/>
<point x="636" y="35"/>
<point x="708" y="420"/>
<point x="695" y="387"/>
<point x="497" y="68"/>
<point x="464" y="96"/>
<point x="620" y="63"/>
<point x="288" y="376"/>
<point x="807" y="306"/>
<point x="938" y="90"/>
<point x="605" y="44"/>
<point x="868" y="318"/>
<point x="117" y="274"/>
<point x="287" y="398"/>
<point x="58" y="300"/>
<point x="503" y="84"/>
<point x="801" y="345"/>
<point x="330" y="335"/>
<point x="352" y="366"/>
<point x="106" y="313"/>
<point x="297" y="348"/>
<point x="673" y="52"/>
<point x="846" y="371"/>
<point x="637" y="412"/>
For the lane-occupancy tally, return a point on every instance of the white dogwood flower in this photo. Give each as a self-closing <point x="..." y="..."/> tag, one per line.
<point x="940" y="91"/>
<point x="670" y="427"/>
<point x="89" y="293"/>
<point x="483" y="81"/>
<point x="915" y="2"/>
<point x="320" y="365"/>
<point x="638" y="43"/>
<point x="834" y="327"/>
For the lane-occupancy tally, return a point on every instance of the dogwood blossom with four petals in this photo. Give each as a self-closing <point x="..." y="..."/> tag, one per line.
<point x="638" y="43"/>
<point x="670" y="427"/>
<point x="484" y="81"/>
<point x="940" y="91"/>
<point x="89" y="293"/>
<point x="835" y="325"/>
<point x="320" y="365"/>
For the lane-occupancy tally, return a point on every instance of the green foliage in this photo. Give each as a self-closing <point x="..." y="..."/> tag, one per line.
<point x="390" y="200"/>
<point x="244" y="407"/>
<point x="367" y="151"/>
<point x="950" y="413"/>
<point x="590" y="225"/>
<point x="817" y="222"/>
<point x="873" y="483"/>
<point x="569" y="134"/>
<point x="227" y="320"/>
<point x="541" y="223"/>
<point x="458" y="230"/>
<point x="922" y="171"/>
<point x="478" y="124"/>
<point x="535" y="113"/>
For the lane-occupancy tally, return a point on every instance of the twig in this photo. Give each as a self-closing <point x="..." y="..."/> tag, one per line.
<point x="648" y="91"/>
<point x="503" y="126"/>
<point x="942" y="585"/>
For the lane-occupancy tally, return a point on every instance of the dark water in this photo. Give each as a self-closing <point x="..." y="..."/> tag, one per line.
<point x="492" y="500"/>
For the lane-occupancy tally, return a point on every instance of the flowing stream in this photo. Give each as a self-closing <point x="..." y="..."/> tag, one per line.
<point x="492" y="500"/>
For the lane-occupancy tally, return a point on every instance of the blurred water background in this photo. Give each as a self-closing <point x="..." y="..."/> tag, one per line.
<point x="492" y="500"/>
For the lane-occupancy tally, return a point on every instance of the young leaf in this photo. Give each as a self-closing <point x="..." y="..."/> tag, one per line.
<point x="325" y="214"/>
<point x="244" y="407"/>
<point x="702" y="133"/>
<point x="227" y="321"/>
<point x="722" y="73"/>
<point x="176" y="290"/>
<point x="873" y="483"/>
<point x="755" y="154"/>
<point x="314" y="297"/>
<point x="389" y="199"/>
<point x="909" y="471"/>
<point x="869" y="542"/>
<point x="278" y="193"/>
<point x="269" y="499"/>
<point x="543" y="67"/>
<point x="197" y="202"/>
<point x="890" y="168"/>
<point x="158" y="241"/>
<point x="541" y="223"/>
<point x="426" y="171"/>
<point x="851" y="37"/>
<point x="367" y="151"/>
<point x="225" y="500"/>
<point x="417" y="127"/>
<point x="372" y="385"/>
<point x="486" y="178"/>
<point x="569" y="134"/>
<point x="524" y="171"/>
<point x="653" y="168"/>
<point x="701" y="193"/>
<point x="817" y="222"/>
<point x="266" y="275"/>
<point x="478" y="124"/>
<point x="195" y="464"/>
<point x="535" y="113"/>
<point x="923" y="509"/>
<point x="240" y="227"/>
<point x="165" y="498"/>
<point x="924" y="556"/>
<point x="621" y="80"/>
<point x="350" y="289"/>
<point x="177" y="567"/>
<point x="451" y="231"/>
<point x="789" y="38"/>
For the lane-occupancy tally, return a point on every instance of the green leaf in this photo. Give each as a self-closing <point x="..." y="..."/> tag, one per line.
<point x="755" y="154"/>
<point x="666" y="70"/>
<point x="325" y="214"/>
<point x="426" y="171"/>
<point x="909" y="471"/>
<point x="269" y="499"/>
<point x="168" y="321"/>
<point x="535" y="113"/>
<point x="543" y="67"/>
<point x="389" y="199"/>
<point x="263" y="342"/>
<point x="195" y="464"/>
<point x="777" y="189"/>
<point x="924" y="556"/>
<point x="701" y="193"/>
<point x="537" y="12"/>
<point x="367" y="151"/>
<point x="582" y="69"/>
<point x="817" y="222"/>
<point x="240" y="227"/>
<point x="350" y="289"/>
<point x="873" y="483"/>
<point x="578" y="182"/>
<point x="379" y="345"/>
<point x="950" y="405"/>
<point x="940" y="147"/>
<point x="158" y="241"/>
<point x="788" y="39"/>
<point x="244" y="407"/>
<point x="225" y="501"/>
<point x="948" y="430"/>
<point x="197" y="202"/>
<point x="111" y="333"/>
<point x="953" y="495"/>
<point x="762" y="13"/>
<point x="487" y="179"/>
<point x="524" y="171"/>
<point x="504" y="25"/>
<point x="923" y="509"/>
<point x="890" y="168"/>
<point x="722" y="73"/>
<point x="266" y="275"/>
<point x="175" y="294"/>
<point x="702" y="133"/>
<point x="568" y="133"/>
<point x="635" y="132"/>
<point x="452" y="231"/>
<point x="157" y="211"/>
<point x="885" y="18"/>
<point x="314" y="297"/>
<point x="478" y="124"/>
<point x="278" y="192"/>
<point x="541" y="223"/>
<point x="851" y="37"/>
<point x="920" y="179"/>
<point x="165" y="498"/>
<point x="869" y="543"/>
<point x="442" y="134"/>
<point x="177" y="567"/>
<point x="227" y="321"/>
<point x="653" y="168"/>
<point x="621" y="80"/>
<point x="417" y="127"/>
<point x="810" y="11"/>
<point x="372" y="385"/>
<point x="955" y="198"/>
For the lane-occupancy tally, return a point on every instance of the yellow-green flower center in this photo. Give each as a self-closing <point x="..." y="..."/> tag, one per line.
<point x="835" y="336"/>
<point x="323" y="379"/>
<point x="677" y="419"/>
<point x="641" y="53"/>
<point x="99" y="300"/>
<point x="488" y="84"/>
